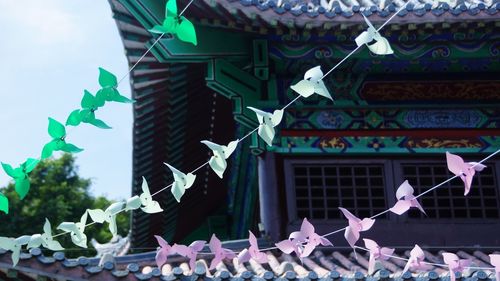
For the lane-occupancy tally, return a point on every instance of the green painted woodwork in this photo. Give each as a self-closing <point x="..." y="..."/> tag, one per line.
<point x="239" y="86"/>
<point x="150" y="13"/>
<point x="236" y="46"/>
<point x="243" y="188"/>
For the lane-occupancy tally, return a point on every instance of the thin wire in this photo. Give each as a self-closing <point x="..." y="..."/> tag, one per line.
<point x="151" y="47"/>
<point x="166" y="187"/>
<point x="290" y="103"/>
<point x="247" y="135"/>
<point x="429" y="263"/>
<point x="354" y="51"/>
<point x="140" y="59"/>
<point x="183" y="10"/>
<point x="251" y="132"/>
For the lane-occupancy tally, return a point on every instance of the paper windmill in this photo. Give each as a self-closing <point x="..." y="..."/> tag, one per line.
<point x="189" y="251"/>
<point x="376" y="252"/>
<point x="175" y="25"/>
<point x="465" y="171"/>
<point x="252" y="252"/>
<point x="381" y="45"/>
<point x="298" y="238"/>
<point x="356" y="225"/>
<point x="219" y="252"/>
<point x="267" y="122"/>
<point x="109" y="91"/>
<point x="87" y="115"/>
<point x="150" y="206"/>
<point x="20" y="176"/>
<point x="181" y="182"/>
<point x="495" y="261"/>
<point x="406" y="199"/>
<point x="76" y="230"/>
<point x="58" y="133"/>
<point x="109" y="216"/>
<point x="455" y="264"/>
<point x="4" y="203"/>
<point x="311" y="84"/>
<point x="221" y="152"/>
<point x="416" y="260"/>
<point x="45" y="239"/>
<point x="163" y="252"/>
<point x="14" y="245"/>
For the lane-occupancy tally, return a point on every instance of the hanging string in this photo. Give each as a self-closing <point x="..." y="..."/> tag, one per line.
<point x="286" y="106"/>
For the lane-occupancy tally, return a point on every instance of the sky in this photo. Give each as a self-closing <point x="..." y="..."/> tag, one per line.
<point x="50" y="52"/>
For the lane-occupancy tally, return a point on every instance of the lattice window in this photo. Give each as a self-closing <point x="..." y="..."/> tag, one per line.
<point x="321" y="188"/>
<point x="448" y="201"/>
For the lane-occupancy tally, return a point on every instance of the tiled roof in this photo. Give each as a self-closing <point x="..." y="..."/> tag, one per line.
<point x="323" y="264"/>
<point x="315" y="13"/>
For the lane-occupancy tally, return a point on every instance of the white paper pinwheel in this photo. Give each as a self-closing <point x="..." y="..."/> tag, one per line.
<point x="416" y="260"/>
<point x="267" y="122"/>
<point x="311" y="84"/>
<point x="45" y="239"/>
<point x="465" y="171"/>
<point x="181" y="182"/>
<point x="356" y="225"/>
<point x="145" y="200"/>
<point x="381" y="45"/>
<point x="495" y="261"/>
<point x="109" y="216"/>
<point x="406" y="199"/>
<point x="76" y="231"/>
<point x="14" y="245"/>
<point x="252" y="252"/>
<point x="221" y="152"/>
<point x="219" y="253"/>
<point x="376" y="252"/>
<point x="304" y="241"/>
<point x="455" y="264"/>
<point x="190" y="251"/>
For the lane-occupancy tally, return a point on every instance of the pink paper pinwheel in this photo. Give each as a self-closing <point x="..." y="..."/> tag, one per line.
<point x="495" y="261"/>
<point x="455" y="264"/>
<point x="298" y="238"/>
<point x="190" y="251"/>
<point x="376" y="252"/>
<point x="415" y="262"/>
<point x="219" y="252"/>
<point x="463" y="170"/>
<point x="356" y="225"/>
<point x="163" y="252"/>
<point x="406" y="199"/>
<point x="252" y="252"/>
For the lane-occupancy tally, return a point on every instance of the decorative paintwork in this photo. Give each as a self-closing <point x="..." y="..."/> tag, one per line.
<point x="349" y="119"/>
<point x="377" y="144"/>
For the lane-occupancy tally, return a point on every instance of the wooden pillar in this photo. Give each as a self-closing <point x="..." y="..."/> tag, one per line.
<point x="268" y="195"/>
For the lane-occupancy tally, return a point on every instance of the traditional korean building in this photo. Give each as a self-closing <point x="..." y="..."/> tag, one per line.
<point x="393" y="117"/>
<point x="392" y="120"/>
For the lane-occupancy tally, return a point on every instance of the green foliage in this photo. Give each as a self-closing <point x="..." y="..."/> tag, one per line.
<point x="59" y="194"/>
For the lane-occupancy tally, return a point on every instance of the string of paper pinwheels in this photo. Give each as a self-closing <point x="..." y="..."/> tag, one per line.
<point x="174" y="24"/>
<point x="302" y="242"/>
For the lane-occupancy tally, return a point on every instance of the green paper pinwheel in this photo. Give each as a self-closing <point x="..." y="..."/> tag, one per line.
<point x="176" y="25"/>
<point x="58" y="142"/>
<point x="87" y="115"/>
<point x="108" y="91"/>
<point x="4" y="203"/>
<point x="20" y="175"/>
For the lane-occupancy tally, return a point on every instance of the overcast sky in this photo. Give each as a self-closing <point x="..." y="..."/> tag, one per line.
<point x="50" y="51"/>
